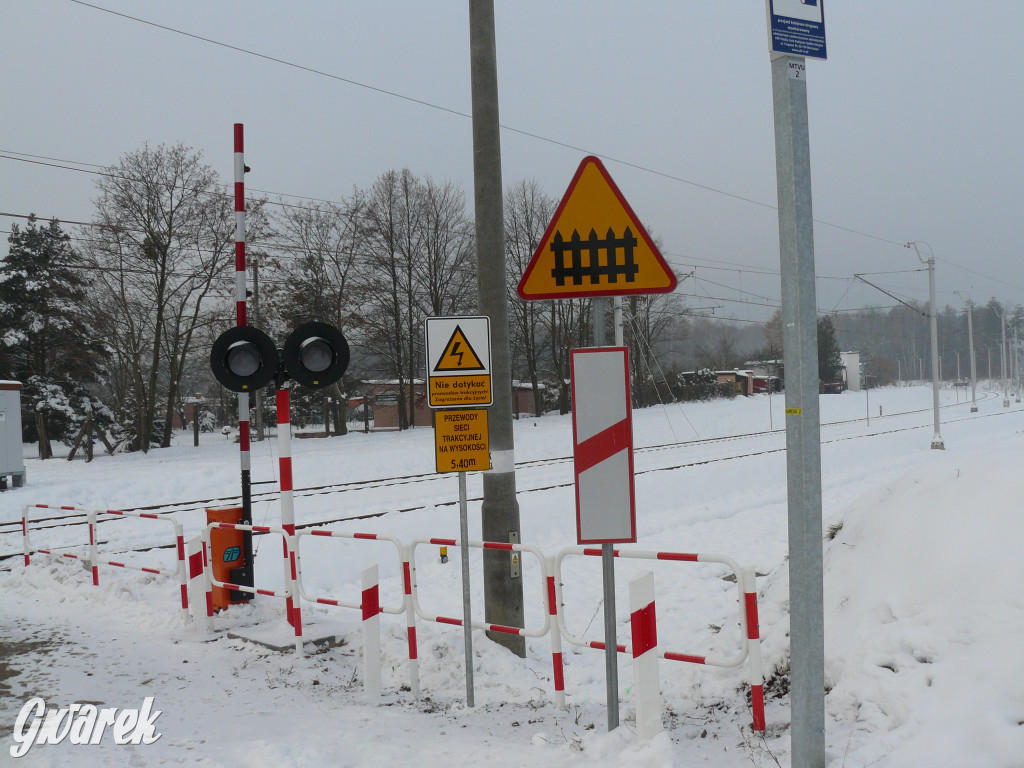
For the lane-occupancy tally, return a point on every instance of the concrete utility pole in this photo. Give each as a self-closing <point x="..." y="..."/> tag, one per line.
<point x="970" y="347"/>
<point x="1017" y="369"/>
<point x="503" y="594"/>
<point x="934" y="321"/>
<point x="1002" y="362"/>
<point x="803" y="422"/>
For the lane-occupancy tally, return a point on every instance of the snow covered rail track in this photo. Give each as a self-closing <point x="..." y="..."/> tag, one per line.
<point x="316" y="490"/>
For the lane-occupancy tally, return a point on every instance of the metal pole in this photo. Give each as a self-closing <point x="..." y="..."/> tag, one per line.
<point x="937" y="441"/>
<point x="970" y="346"/>
<point x="803" y="423"/>
<point x="867" y="398"/>
<point x="244" y="575"/>
<point x="611" y="662"/>
<point x="1016" y="367"/>
<point x="503" y="593"/>
<point x="1002" y="364"/>
<point x="467" y="615"/>
<point x="970" y="349"/>
<point x="616" y="307"/>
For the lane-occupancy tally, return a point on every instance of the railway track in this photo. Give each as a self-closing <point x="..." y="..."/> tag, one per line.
<point x="11" y="530"/>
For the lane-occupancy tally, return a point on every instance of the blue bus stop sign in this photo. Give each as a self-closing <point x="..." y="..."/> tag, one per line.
<point x="797" y="27"/>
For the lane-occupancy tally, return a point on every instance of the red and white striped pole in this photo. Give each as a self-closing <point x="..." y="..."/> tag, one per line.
<point x="754" y="650"/>
<point x="93" y="555"/>
<point x="284" y="450"/>
<point x="645" y="655"/>
<point x="556" y="637"/>
<point x="371" y="632"/>
<point x="240" y="320"/>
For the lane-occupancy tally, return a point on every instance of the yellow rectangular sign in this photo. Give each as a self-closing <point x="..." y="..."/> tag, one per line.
<point x="461" y="442"/>
<point x="448" y="391"/>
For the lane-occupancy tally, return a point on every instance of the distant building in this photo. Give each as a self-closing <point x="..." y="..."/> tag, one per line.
<point x="851" y="370"/>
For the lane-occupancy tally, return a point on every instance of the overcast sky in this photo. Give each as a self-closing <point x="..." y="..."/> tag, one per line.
<point x="916" y="120"/>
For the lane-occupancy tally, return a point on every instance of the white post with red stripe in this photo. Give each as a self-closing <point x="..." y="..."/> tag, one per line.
<point x="755" y="667"/>
<point x="558" y="670"/>
<point x="410" y="621"/>
<point x="284" y="449"/>
<point x="197" y="584"/>
<point x="93" y="555"/>
<point x="644" y="625"/>
<point x="371" y="632"/>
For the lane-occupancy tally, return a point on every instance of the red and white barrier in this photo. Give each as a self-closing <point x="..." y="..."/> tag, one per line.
<point x="404" y="607"/>
<point x="26" y="544"/>
<point x="284" y="594"/>
<point x="520" y="631"/>
<point x="747" y="600"/>
<point x="179" y="571"/>
<point x="644" y="625"/>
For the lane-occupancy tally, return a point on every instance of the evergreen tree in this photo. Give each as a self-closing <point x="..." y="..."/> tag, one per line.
<point x="44" y="331"/>
<point x="830" y="360"/>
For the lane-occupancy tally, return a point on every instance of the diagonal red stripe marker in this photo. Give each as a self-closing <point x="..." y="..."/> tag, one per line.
<point x="602" y="446"/>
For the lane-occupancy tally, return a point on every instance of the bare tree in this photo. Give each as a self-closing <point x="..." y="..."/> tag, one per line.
<point x="165" y="237"/>
<point x="649" y="321"/>
<point x="527" y="214"/>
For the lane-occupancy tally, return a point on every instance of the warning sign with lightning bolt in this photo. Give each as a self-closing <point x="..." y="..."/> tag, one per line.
<point x="458" y="361"/>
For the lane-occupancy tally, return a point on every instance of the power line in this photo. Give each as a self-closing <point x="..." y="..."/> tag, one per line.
<point x="457" y="113"/>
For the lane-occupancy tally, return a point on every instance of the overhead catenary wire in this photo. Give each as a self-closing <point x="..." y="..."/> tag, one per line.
<point x="468" y="116"/>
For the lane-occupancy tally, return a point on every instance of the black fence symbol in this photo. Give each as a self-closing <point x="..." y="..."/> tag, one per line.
<point x="595" y="269"/>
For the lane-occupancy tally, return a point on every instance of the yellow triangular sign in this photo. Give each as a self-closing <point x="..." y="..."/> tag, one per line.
<point x="595" y="245"/>
<point x="458" y="355"/>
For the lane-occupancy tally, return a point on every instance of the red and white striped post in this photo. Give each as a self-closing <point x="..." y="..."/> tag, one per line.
<point x="410" y="623"/>
<point x="754" y="650"/>
<point x="241" y="295"/>
<point x="644" y="625"/>
<point x="93" y="555"/>
<point x="284" y="450"/>
<point x="371" y="632"/>
<point x="556" y="636"/>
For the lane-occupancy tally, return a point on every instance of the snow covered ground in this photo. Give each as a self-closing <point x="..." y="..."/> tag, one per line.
<point x="923" y="604"/>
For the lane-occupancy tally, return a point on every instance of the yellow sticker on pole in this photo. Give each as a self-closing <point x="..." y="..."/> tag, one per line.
<point x="461" y="441"/>
<point x="794" y="411"/>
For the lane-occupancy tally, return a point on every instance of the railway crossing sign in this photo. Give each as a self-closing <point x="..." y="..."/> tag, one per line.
<point x="602" y="438"/>
<point x="595" y="245"/>
<point x="458" y="361"/>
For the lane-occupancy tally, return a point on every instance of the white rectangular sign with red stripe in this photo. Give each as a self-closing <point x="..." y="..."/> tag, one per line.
<point x="602" y="429"/>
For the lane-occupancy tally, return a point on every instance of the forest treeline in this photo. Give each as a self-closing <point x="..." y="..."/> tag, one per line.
<point x="113" y="322"/>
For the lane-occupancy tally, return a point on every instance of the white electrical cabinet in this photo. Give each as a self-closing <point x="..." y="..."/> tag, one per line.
<point x="12" y="461"/>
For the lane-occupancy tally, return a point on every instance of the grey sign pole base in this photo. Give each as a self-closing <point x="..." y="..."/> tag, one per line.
<point x="467" y="625"/>
<point x="611" y="662"/>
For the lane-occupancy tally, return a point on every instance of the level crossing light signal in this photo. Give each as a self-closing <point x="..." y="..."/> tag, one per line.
<point x="316" y="355"/>
<point x="244" y="358"/>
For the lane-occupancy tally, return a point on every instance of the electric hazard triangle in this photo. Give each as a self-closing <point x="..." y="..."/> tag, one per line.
<point x="459" y="355"/>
